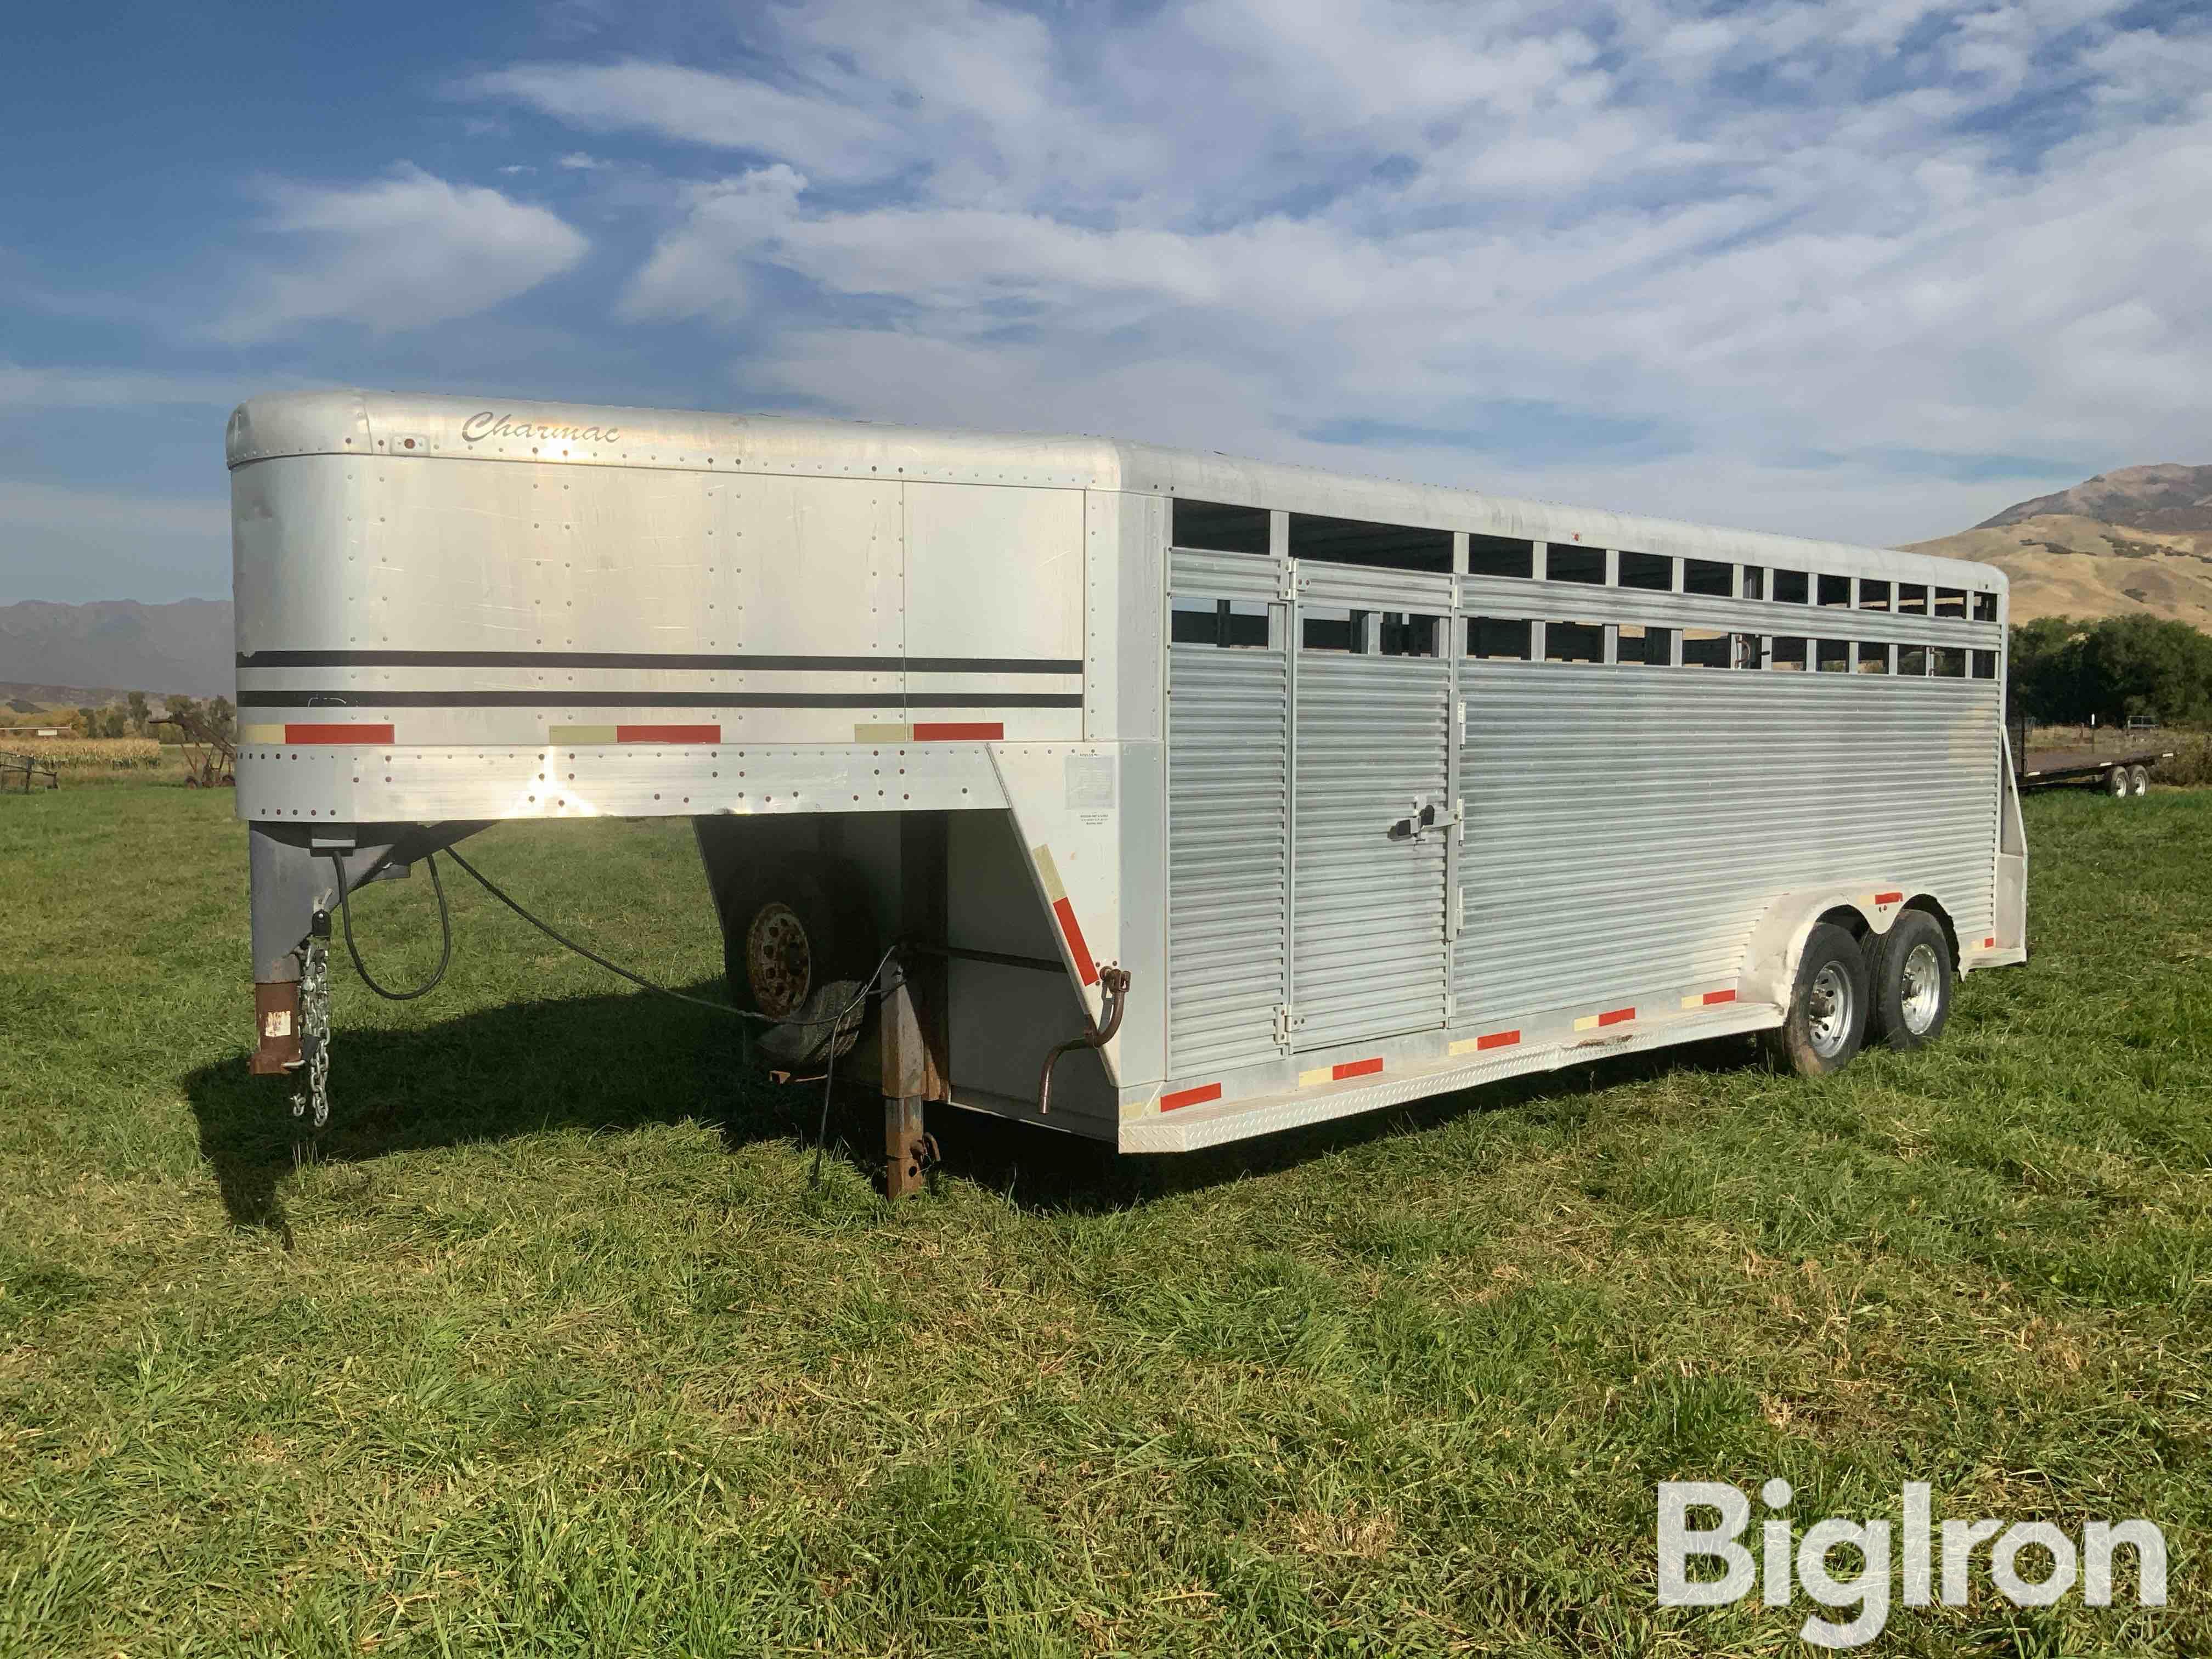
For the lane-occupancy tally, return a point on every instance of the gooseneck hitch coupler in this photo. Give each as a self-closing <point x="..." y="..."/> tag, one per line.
<point x="1114" y="982"/>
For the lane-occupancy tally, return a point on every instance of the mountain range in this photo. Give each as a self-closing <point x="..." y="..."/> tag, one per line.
<point x="91" y="652"/>
<point x="2136" y="540"/>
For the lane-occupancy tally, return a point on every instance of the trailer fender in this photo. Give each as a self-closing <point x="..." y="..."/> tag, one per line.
<point x="1777" y="941"/>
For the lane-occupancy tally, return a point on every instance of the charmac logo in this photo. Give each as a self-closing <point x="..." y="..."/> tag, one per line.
<point x="1932" y="1573"/>
<point x="490" y="424"/>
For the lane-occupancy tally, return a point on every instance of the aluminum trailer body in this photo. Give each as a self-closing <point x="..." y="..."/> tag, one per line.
<point x="1373" y="790"/>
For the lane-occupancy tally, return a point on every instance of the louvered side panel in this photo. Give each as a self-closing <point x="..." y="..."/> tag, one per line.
<point x="1626" y="827"/>
<point x="1228" y="875"/>
<point x="1369" y="956"/>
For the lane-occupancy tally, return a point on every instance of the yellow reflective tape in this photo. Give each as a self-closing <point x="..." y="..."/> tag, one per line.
<point x="1323" y="1075"/>
<point x="573" y="734"/>
<point x="1047" y="874"/>
<point x="882" y="734"/>
<point x="261" y="734"/>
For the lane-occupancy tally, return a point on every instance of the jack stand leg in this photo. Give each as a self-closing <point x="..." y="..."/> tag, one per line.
<point x="904" y="1146"/>
<point x="907" y="1148"/>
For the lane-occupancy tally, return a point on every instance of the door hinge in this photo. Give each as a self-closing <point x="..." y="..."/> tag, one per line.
<point x="1287" y="1025"/>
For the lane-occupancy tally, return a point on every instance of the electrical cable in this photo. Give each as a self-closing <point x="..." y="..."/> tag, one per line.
<point x="591" y="955"/>
<point x="868" y="987"/>
<point x="445" y="935"/>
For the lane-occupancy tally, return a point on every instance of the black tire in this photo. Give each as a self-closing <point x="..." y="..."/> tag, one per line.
<point x="2139" y="780"/>
<point x="1818" y="1037"/>
<point x="1912" y="979"/>
<point x="801" y="924"/>
<point x="2116" y="783"/>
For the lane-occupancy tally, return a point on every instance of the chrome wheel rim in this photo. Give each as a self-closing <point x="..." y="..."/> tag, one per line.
<point x="1920" y="992"/>
<point x="1828" y="1011"/>
<point x="779" y="964"/>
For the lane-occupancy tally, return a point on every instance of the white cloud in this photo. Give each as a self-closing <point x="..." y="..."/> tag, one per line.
<point x="1794" y="231"/>
<point x="695" y="107"/>
<point x="399" y="252"/>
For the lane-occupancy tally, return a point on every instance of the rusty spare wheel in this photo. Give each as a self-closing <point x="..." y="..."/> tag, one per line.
<point x="790" y="928"/>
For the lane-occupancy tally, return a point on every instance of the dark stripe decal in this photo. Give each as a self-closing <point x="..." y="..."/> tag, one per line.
<point x="654" y="660"/>
<point x="358" y="698"/>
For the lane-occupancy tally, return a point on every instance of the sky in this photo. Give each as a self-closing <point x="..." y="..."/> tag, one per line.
<point x="1870" y="271"/>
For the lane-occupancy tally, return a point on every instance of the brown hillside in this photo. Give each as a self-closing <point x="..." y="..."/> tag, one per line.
<point x="2137" y="540"/>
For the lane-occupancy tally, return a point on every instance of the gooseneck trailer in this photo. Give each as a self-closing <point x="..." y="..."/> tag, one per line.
<point x="1264" y="794"/>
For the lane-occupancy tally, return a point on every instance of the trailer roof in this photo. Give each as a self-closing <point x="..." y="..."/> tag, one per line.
<point x="406" y="424"/>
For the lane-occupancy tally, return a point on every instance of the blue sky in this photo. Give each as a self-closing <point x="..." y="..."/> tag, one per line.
<point x="1870" y="270"/>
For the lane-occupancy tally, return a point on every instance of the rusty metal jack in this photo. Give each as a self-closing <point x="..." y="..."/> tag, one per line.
<point x="909" y="1148"/>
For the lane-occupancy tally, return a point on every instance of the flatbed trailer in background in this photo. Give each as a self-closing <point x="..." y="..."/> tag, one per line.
<point x="2120" y="774"/>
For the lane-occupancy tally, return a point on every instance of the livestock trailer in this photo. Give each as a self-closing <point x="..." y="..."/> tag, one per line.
<point x="1271" y="794"/>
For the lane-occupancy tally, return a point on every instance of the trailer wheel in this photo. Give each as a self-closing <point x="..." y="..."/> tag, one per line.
<point x="1911" y="973"/>
<point x="784" y="936"/>
<point x="2139" y="780"/>
<point x="1827" y="1018"/>
<point x="2115" y="782"/>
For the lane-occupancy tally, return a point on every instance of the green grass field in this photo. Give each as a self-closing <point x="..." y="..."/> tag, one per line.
<point x="549" y="1348"/>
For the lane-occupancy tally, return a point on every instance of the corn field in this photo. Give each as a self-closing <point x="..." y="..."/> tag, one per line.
<point x="91" y="754"/>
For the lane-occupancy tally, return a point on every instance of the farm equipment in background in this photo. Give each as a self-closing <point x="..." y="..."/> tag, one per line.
<point x="210" y="758"/>
<point x="2121" y="773"/>
<point x="31" y="766"/>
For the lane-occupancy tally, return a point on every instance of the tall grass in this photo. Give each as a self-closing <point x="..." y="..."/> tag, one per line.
<point x="547" y="1346"/>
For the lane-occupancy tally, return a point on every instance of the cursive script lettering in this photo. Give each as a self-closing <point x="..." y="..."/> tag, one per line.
<point x="489" y="423"/>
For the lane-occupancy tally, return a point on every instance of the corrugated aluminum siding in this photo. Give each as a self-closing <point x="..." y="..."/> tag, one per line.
<point x="1368" y="957"/>
<point x="1228" y="862"/>
<point x="1626" y="826"/>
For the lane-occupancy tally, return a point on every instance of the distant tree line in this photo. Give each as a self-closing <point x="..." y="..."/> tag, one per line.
<point x="2066" y="669"/>
<point x="134" y="717"/>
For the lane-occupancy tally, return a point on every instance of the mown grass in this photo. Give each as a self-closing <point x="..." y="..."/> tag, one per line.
<point x="549" y="1346"/>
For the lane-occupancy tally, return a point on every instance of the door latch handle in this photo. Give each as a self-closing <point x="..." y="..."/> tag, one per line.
<point x="1425" y="816"/>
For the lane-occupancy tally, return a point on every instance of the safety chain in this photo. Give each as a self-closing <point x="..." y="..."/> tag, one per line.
<point x="315" y="1023"/>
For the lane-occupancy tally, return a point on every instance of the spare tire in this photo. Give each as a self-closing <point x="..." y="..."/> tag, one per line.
<point x="791" y="928"/>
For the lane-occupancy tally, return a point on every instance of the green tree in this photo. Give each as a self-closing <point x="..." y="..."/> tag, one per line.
<point x="2148" y="665"/>
<point x="87" y="722"/>
<point x="2046" y="676"/>
<point x="222" y="719"/>
<point x="140" y="714"/>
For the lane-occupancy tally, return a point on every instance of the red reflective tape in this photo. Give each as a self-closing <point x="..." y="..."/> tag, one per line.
<point x="960" y="731"/>
<point x="311" y="733"/>
<point x="668" y="734"/>
<point x="1085" y="968"/>
<point x="1355" y="1068"/>
<point x="1991" y="942"/>
<point x="1497" y="1040"/>
<point x="1712" y="997"/>
<point x="1889" y="898"/>
<point x="1197" y="1096"/>
<point x="1614" y="1016"/>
